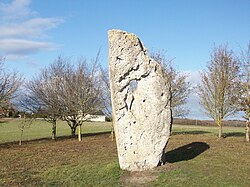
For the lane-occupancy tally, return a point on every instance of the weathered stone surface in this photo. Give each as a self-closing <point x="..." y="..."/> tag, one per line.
<point x="140" y="103"/>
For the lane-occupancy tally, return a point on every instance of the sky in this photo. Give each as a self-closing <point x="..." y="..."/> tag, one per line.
<point x="33" y="33"/>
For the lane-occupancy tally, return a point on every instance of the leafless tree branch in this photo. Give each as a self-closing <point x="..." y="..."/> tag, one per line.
<point x="219" y="85"/>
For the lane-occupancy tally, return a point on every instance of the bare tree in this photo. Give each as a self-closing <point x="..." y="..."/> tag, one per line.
<point x="9" y="84"/>
<point x="106" y="96"/>
<point x="81" y="93"/>
<point x="24" y="124"/>
<point x="244" y="94"/>
<point x="42" y="93"/>
<point x="218" y="89"/>
<point x="178" y="84"/>
<point x="67" y="92"/>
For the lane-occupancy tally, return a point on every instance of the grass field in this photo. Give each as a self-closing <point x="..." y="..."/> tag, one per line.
<point x="9" y="130"/>
<point x="195" y="157"/>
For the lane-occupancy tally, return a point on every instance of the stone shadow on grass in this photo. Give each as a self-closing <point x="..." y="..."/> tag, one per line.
<point x="186" y="152"/>
<point x="234" y="134"/>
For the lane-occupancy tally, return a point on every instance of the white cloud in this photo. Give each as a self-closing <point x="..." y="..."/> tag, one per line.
<point x="34" y="27"/>
<point x="193" y="77"/>
<point x="196" y="109"/>
<point x="24" y="47"/>
<point x="23" y="31"/>
<point x="16" y="10"/>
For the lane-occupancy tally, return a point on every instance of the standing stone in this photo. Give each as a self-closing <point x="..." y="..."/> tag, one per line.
<point x="140" y="103"/>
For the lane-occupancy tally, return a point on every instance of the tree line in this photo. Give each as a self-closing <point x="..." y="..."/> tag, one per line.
<point x="73" y="92"/>
<point x="65" y="91"/>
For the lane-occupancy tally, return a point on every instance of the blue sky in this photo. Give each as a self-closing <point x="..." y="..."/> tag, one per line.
<point x="34" y="32"/>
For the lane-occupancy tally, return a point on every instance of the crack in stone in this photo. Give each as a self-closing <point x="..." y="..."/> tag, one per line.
<point x="124" y="100"/>
<point x="128" y="72"/>
<point x="119" y="58"/>
<point x="131" y="103"/>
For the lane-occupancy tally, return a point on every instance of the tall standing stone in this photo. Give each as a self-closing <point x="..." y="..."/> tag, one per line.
<point x="140" y="102"/>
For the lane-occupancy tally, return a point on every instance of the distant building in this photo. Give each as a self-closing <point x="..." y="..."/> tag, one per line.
<point x="97" y="117"/>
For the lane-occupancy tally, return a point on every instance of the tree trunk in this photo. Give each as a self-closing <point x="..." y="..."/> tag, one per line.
<point x="79" y="133"/>
<point x="54" y="130"/>
<point x="220" y="131"/>
<point x="247" y="130"/>
<point x="21" y="138"/>
<point x="73" y="131"/>
<point x="219" y="123"/>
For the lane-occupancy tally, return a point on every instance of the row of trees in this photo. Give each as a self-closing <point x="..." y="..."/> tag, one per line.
<point x="224" y="89"/>
<point x="71" y="92"/>
<point x="65" y="91"/>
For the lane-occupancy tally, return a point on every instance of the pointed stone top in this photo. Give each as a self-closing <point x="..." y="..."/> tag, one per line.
<point x="118" y="31"/>
<point x="123" y="36"/>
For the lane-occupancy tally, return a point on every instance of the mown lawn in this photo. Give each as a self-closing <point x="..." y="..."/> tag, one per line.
<point x="195" y="157"/>
<point x="200" y="159"/>
<point x="9" y="129"/>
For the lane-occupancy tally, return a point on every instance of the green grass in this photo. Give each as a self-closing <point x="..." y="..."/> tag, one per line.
<point x="9" y="130"/>
<point x="84" y="175"/>
<point x="225" y="162"/>
<point x="208" y="130"/>
<point x="196" y="157"/>
<point x="64" y="162"/>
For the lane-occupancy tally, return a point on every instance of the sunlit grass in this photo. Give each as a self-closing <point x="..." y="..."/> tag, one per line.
<point x="9" y="130"/>
<point x="208" y="130"/>
<point x="195" y="156"/>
